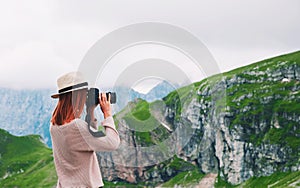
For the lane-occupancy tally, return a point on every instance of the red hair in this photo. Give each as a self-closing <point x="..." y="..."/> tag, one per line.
<point x="70" y="106"/>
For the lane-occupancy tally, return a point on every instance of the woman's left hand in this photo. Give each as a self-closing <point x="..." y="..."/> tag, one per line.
<point x="105" y="105"/>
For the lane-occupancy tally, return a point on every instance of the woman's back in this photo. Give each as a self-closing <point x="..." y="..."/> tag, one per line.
<point x="76" y="164"/>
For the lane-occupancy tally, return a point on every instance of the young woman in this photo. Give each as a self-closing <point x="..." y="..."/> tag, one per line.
<point x="73" y="145"/>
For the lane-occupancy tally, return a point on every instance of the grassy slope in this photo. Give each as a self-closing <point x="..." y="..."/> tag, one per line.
<point x="290" y="57"/>
<point x="26" y="161"/>
<point x="148" y="130"/>
<point x="185" y="179"/>
<point x="276" y="180"/>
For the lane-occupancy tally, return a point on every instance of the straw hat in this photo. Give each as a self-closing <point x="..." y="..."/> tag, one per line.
<point x="70" y="82"/>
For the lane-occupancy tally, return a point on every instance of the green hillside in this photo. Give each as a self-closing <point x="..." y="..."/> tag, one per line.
<point x="139" y="117"/>
<point x="25" y="162"/>
<point x="276" y="180"/>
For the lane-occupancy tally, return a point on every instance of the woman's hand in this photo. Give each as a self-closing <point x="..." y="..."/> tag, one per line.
<point x="105" y="104"/>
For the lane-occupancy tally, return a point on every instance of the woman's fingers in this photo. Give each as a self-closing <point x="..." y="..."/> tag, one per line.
<point x="103" y="97"/>
<point x="109" y="96"/>
<point x="105" y="105"/>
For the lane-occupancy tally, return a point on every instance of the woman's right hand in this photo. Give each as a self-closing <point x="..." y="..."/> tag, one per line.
<point x="105" y="105"/>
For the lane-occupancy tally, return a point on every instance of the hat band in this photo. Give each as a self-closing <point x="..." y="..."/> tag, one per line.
<point x="73" y="87"/>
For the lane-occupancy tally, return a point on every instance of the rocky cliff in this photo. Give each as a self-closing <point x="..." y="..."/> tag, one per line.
<point x="239" y="124"/>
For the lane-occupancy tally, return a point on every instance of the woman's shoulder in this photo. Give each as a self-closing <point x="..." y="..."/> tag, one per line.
<point x="74" y="123"/>
<point x="79" y="122"/>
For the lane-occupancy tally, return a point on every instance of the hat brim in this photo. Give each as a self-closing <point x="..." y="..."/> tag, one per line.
<point x="55" y="96"/>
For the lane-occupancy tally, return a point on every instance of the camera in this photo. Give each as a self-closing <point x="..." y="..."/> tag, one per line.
<point x="93" y="97"/>
<point x="93" y="100"/>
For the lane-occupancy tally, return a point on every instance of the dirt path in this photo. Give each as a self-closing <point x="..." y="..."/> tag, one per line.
<point x="207" y="181"/>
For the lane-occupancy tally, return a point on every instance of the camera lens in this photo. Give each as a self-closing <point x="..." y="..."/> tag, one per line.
<point x="113" y="97"/>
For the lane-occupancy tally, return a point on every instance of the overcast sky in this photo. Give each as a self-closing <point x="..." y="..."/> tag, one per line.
<point x="40" y="40"/>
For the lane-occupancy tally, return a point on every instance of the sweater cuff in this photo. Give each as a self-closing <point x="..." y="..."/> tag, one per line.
<point x="109" y="122"/>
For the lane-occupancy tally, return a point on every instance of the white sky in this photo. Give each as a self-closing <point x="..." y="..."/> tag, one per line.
<point x="41" y="40"/>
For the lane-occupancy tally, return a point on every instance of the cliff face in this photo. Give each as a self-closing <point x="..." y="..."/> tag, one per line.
<point x="242" y="123"/>
<point x="257" y="131"/>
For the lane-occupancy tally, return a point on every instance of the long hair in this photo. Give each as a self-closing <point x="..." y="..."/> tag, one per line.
<point x="70" y="106"/>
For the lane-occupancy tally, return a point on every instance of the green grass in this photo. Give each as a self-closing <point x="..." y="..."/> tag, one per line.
<point x="144" y="139"/>
<point x="184" y="179"/>
<point x="271" y="62"/>
<point x="277" y="180"/>
<point x="135" y="124"/>
<point x="119" y="184"/>
<point x="27" y="161"/>
<point x="179" y="164"/>
<point x="178" y="98"/>
<point x="139" y="116"/>
<point x="147" y="129"/>
<point x="141" y="110"/>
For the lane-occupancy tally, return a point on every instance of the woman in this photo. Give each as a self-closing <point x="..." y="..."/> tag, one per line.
<point x="73" y="146"/>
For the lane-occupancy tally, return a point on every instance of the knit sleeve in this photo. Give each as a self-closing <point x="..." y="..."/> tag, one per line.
<point x="109" y="142"/>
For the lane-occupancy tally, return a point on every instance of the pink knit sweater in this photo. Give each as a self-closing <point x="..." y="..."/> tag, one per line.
<point x="74" y="152"/>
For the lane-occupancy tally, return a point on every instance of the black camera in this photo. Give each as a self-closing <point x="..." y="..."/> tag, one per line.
<point x="93" y="97"/>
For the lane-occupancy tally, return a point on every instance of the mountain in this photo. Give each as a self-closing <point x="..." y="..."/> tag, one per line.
<point x="25" y="162"/>
<point x="158" y="92"/>
<point x="26" y="112"/>
<point x="238" y="125"/>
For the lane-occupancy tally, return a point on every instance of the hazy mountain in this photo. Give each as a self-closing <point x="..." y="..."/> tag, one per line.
<point x="158" y="92"/>
<point x="26" y="112"/>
